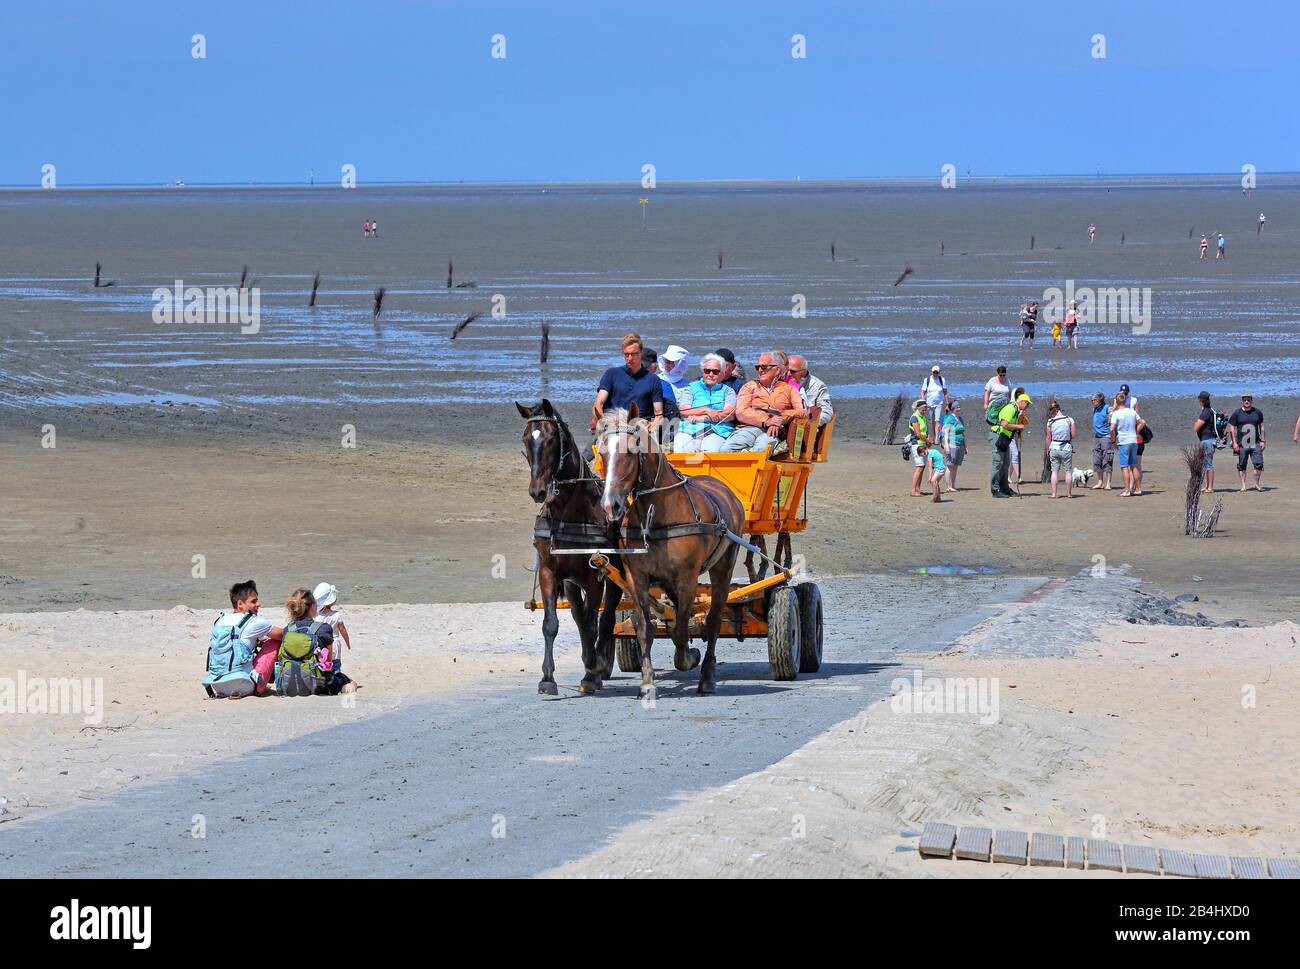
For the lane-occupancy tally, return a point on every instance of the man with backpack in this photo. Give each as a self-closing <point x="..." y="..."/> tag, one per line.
<point x="1011" y="418"/>
<point x="935" y="392"/>
<point x="1206" y="429"/>
<point x="240" y="642"/>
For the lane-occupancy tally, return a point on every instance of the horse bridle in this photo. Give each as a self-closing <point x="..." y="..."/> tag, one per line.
<point x="636" y="493"/>
<point x="584" y="470"/>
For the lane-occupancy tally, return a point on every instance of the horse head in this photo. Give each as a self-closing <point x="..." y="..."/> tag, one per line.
<point x="623" y="439"/>
<point x="547" y="444"/>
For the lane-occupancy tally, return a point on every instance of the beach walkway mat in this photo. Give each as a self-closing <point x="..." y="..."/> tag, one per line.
<point x="974" y="842"/>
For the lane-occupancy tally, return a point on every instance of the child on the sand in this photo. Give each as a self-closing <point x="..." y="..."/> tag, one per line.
<point x="327" y="603"/>
<point x="1056" y="334"/>
<point x="934" y="458"/>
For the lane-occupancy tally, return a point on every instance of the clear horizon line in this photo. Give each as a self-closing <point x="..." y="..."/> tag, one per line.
<point x="632" y="183"/>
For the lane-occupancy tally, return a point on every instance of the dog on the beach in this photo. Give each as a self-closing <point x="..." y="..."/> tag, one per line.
<point x="1081" y="477"/>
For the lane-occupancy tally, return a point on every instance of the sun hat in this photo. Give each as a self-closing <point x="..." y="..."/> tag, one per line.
<point x="324" y="594"/>
<point x="1026" y="398"/>
<point x="934" y="369"/>
<point x="674" y="352"/>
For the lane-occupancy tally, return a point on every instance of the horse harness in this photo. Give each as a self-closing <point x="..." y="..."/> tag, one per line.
<point x="545" y="526"/>
<point x="647" y="534"/>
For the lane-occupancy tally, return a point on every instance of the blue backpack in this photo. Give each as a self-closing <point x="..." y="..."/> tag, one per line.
<point x="230" y="661"/>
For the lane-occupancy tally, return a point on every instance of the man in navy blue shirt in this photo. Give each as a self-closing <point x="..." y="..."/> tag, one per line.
<point x="630" y="384"/>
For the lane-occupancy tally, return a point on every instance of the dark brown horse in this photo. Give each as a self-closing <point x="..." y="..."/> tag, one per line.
<point x="569" y="493"/>
<point x="682" y="523"/>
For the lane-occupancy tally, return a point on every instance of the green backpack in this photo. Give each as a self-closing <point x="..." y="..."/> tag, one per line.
<point x="297" y="671"/>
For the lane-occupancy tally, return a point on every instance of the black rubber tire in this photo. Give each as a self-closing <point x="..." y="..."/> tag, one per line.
<point x="627" y="648"/>
<point x="783" y="633"/>
<point x="810" y="627"/>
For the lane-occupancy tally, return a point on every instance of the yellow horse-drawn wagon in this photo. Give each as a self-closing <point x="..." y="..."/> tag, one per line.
<point x="772" y="488"/>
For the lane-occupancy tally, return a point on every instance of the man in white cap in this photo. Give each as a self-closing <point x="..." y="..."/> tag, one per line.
<point x="935" y="392"/>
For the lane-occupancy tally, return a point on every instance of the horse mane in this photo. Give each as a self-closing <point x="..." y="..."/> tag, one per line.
<point x="571" y="444"/>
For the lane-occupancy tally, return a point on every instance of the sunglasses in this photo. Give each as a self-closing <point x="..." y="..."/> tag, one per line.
<point x="760" y="367"/>
<point x="714" y="370"/>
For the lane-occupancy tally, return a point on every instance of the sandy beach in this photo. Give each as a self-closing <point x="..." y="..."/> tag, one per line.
<point x="1208" y="772"/>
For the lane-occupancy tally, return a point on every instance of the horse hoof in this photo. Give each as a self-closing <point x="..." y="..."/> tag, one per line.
<point x="692" y="657"/>
<point x="589" y="685"/>
<point x="647" y="695"/>
<point x="707" y="688"/>
<point x="548" y="688"/>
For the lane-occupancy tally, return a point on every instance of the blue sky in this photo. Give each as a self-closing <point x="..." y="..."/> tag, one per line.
<point x="110" y="94"/>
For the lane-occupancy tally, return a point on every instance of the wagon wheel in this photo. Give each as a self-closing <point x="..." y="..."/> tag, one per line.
<point x="628" y="648"/>
<point x="783" y="633"/>
<point x="755" y="575"/>
<point x="810" y="627"/>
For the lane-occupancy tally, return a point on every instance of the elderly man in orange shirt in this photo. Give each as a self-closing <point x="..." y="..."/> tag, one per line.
<point x="763" y="407"/>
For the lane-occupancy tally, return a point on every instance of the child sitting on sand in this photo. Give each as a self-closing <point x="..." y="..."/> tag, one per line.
<point x="327" y="603"/>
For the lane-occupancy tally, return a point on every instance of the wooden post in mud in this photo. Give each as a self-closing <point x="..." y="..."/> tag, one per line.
<point x="315" y="285"/>
<point x="1194" y="458"/>
<point x="891" y="425"/>
<point x="546" y="341"/>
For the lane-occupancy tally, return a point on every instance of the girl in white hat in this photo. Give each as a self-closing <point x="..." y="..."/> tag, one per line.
<point x="327" y="605"/>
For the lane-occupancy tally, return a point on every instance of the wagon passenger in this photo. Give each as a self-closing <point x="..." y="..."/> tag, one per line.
<point x="812" y="390"/>
<point x="708" y="410"/>
<point x="763" y="408"/>
<point x="620" y="387"/>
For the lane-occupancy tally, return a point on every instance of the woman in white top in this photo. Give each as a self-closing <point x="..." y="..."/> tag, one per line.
<point x="1060" y="444"/>
<point x="1125" y="429"/>
<point x="997" y="390"/>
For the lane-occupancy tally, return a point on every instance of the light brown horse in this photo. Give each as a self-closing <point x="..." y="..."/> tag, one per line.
<point x="682" y="523"/>
<point x="569" y="493"/>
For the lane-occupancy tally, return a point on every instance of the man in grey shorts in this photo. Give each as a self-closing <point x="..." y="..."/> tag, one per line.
<point x="1103" y="448"/>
